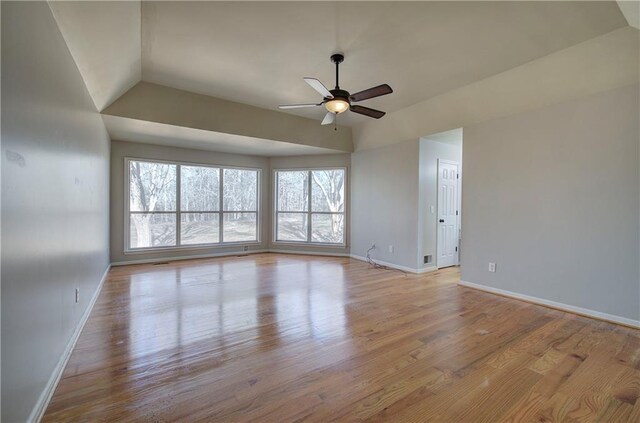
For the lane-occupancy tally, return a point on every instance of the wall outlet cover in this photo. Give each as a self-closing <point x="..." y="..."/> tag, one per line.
<point x="492" y="267"/>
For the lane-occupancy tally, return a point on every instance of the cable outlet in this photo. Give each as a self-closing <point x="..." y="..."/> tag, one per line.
<point x="492" y="267"/>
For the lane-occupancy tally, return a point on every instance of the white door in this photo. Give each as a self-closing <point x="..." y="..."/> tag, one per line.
<point x="448" y="210"/>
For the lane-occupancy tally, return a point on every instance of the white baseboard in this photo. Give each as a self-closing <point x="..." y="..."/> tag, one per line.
<point x="553" y="304"/>
<point x="396" y="266"/>
<point x="273" y="250"/>
<point x="47" y="393"/>
<point x="229" y="254"/>
<point x="191" y="257"/>
<point x="309" y="253"/>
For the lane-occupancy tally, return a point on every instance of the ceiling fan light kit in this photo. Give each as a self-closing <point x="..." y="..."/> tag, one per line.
<point x="337" y="105"/>
<point x="337" y="101"/>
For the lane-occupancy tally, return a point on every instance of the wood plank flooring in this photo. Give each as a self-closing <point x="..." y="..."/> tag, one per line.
<point x="284" y="338"/>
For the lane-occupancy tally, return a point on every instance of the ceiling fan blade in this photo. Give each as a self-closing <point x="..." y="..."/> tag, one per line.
<point x="318" y="86"/>
<point x="376" y="114"/>
<point x="329" y="118"/>
<point x="383" y="89"/>
<point x="298" y="106"/>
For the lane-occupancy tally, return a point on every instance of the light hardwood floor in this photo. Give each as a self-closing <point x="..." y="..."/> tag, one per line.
<point x="284" y="338"/>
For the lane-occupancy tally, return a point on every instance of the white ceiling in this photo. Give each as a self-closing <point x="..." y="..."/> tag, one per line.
<point x="453" y="137"/>
<point x="631" y="11"/>
<point x="104" y="40"/>
<point x="257" y="52"/>
<point x="142" y="131"/>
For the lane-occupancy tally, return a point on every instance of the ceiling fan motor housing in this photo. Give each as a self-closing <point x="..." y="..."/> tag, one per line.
<point x="341" y="94"/>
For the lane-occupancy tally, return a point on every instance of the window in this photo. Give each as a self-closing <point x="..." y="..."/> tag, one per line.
<point x="175" y="205"/>
<point x="310" y="206"/>
<point x="200" y="205"/>
<point x="240" y="209"/>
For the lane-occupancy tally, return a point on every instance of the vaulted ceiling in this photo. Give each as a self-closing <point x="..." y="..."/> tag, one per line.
<point x="256" y="53"/>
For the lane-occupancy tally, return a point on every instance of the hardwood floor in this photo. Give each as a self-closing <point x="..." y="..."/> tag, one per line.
<point x="283" y="338"/>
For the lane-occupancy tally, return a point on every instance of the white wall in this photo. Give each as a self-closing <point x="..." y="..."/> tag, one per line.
<point x="120" y="150"/>
<point x="430" y="152"/>
<point x="552" y="196"/>
<point x="55" y="213"/>
<point x="384" y="202"/>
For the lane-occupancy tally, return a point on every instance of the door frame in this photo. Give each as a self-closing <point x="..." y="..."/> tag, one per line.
<point x="458" y="218"/>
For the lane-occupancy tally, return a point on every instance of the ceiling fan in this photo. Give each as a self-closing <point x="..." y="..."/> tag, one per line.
<point x="337" y="100"/>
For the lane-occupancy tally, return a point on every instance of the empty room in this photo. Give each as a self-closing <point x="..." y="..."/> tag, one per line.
<point x="326" y="211"/>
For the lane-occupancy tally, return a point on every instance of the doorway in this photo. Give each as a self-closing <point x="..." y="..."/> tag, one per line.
<point x="448" y="233"/>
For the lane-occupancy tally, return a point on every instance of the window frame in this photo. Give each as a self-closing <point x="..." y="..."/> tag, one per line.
<point x="178" y="212"/>
<point x="309" y="242"/>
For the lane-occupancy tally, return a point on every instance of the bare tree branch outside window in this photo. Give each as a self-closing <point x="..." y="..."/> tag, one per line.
<point x="216" y="205"/>
<point x="310" y="206"/>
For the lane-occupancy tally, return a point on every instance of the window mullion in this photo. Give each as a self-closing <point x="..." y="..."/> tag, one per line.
<point x="274" y="230"/>
<point x="309" y="208"/>
<point x="178" y="206"/>
<point x="221" y="206"/>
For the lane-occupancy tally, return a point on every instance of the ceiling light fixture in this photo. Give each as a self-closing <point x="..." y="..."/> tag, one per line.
<point x="337" y="105"/>
<point x="337" y="101"/>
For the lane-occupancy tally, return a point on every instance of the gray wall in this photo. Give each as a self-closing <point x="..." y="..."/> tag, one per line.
<point x="55" y="183"/>
<point x="384" y="187"/>
<point x="430" y="152"/>
<point x="552" y="196"/>
<point x="120" y="150"/>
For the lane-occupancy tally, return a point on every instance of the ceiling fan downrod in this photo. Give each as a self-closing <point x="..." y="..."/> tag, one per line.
<point x="337" y="59"/>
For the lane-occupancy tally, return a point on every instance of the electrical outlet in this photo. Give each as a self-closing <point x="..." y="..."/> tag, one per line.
<point x="77" y="295"/>
<point x="391" y="248"/>
<point x="492" y="267"/>
<point x="245" y="248"/>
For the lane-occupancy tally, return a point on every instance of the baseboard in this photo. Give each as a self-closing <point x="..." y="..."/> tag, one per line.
<point x="191" y="257"/>
<point x="310" y="253"/>
<point x="45" y="397"/>
<point x="555" y="305"/>
<point x="396" y="266"/>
